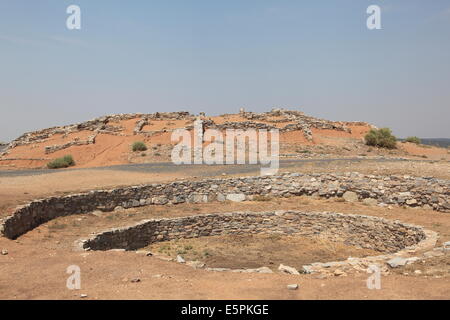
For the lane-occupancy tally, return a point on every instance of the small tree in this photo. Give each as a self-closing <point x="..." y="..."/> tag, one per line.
<point x="382" y="138"/>
<point x="139" y="146"/>
<point x="415" y="140"/>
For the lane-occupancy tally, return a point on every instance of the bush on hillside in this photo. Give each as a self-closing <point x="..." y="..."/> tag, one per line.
<point x="382" y="138"/>
<point x="64" y="162"/>
<point x="415" y="140"/>
<point x="139" y="146"/>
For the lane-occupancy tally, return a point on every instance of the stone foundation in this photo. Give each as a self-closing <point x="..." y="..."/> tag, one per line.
<point x="395" y="241"/>
<point x="429" y="193"/>
<point x="363" y="231"/>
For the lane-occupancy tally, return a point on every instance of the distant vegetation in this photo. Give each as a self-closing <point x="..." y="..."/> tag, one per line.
<point x="439" y="142"/>
<point x="64" y="162"/>
<point x="139" y="146"/>
<point x="415" y="140"/>
<point x="382" y="138"/>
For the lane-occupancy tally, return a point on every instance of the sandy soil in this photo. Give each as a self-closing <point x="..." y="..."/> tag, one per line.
<point x="429" y="152"/>
<point x="36" y="264"/>
<point x="16" y="190"/>
<point x="255" y="251"/>
<point x="42" y="275"/>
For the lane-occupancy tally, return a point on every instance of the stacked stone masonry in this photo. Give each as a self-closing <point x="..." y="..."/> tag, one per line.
<point x="357" y="230"/>
<point x="409" y="191"/>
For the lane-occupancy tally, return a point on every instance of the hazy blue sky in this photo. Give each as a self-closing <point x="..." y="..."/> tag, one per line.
<point x="217" y="56"/>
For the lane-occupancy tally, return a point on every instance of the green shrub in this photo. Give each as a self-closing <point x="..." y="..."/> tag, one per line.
<point x="57" y="164"/>
<point x="382" y="138"/>
<point x="69" y="159"/>
<point x="64" y="162"/>
<point x="139" y="146"/>
<point x="415" y="140"/>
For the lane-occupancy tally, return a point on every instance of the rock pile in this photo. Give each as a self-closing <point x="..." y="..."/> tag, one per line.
<point x="301" y="121"/>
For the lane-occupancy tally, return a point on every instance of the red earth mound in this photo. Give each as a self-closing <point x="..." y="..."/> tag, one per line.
<point x="112" y="138"/>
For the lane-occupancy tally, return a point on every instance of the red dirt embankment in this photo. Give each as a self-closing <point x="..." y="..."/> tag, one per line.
<point x="113" y="147"/>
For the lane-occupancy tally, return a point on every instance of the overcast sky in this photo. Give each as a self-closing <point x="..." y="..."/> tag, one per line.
<point x="217" y="56"/>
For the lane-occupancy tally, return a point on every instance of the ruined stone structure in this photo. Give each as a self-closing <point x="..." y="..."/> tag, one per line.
<point x="108" y="125"/>
<point x="302" y="122"/>
<point x="394" y="240"/>
<point x="382" y="190"/>
<point x="363" y="231"/>
<point x="76" y="142"/>
<point x="105" y="125"/>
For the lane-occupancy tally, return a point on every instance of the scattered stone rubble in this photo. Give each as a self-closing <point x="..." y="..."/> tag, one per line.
<point x="287" y="269"/>
<point x="292" y="286"/>
<point x="343" y="268"/>
<point x="238" y="125"/>
<point x="301" y="121"/>
<point x="424" y="192"/>
<point x="140" y="125"/>
<point x="3" y="146"/>
<point x="385" y="263"/>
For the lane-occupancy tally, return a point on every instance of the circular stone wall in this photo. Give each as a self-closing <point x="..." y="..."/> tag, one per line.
<point x="402" y="190"/>
<point x="364" y="231"/>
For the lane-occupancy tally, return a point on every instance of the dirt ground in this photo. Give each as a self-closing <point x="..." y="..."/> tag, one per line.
<point x="36" y="263"/>
<point x="255" y="251"/>
<point x="40" y="273"/>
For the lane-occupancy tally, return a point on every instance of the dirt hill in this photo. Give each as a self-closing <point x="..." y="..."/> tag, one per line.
<point x="107" y="140"/>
